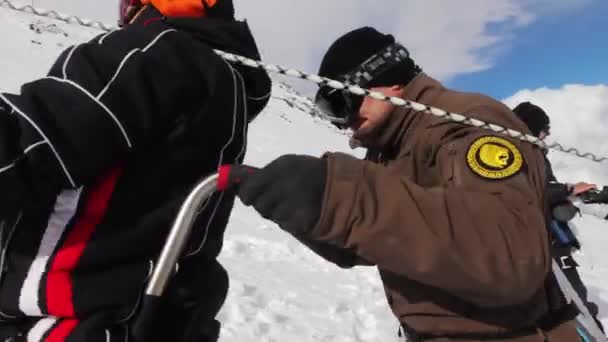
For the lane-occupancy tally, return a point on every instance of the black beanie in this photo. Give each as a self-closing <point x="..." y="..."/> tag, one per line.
<point x="355" y="47"/>
<point x="223" y="9"/>
<point x="533" y="116"/>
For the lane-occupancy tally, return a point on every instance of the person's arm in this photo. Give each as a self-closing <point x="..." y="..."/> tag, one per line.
<point x="557" y="193"/>
<point x="482" y="240"/>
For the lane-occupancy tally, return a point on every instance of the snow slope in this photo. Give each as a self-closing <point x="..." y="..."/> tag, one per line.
<point x="279" y="290"/>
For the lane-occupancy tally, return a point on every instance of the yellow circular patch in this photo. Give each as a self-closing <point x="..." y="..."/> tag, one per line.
<point x="494" y="158"/>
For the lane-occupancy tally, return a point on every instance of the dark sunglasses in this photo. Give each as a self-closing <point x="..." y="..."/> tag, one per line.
<point x="341" y="107"/>
<point x="547" y="131"/>
<point x="338" y="106"/>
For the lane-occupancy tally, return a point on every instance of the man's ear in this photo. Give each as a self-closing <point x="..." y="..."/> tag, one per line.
<point x="397" y="89"/>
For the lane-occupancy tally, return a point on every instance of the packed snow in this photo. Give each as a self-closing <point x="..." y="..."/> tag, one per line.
<point x="279" y="290"/>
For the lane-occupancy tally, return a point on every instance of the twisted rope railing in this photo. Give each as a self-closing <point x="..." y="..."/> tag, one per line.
<point x="56" y="15"/>
<point x="356" y="90"/>
<point x="455" y="117"/>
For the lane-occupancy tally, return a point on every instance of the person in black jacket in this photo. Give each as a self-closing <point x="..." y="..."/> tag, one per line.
<point x="97" y="157"/>
<point x="563" y="240"/>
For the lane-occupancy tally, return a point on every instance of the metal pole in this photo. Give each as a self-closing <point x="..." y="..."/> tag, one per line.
<point x="178" y="236"/>
<point x="587" y="320"/>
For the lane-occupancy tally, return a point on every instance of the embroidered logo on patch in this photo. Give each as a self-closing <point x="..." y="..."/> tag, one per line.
<point x="494" y="158"/>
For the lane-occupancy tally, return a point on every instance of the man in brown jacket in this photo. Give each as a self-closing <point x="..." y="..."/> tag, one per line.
<point x="453" y="216"/>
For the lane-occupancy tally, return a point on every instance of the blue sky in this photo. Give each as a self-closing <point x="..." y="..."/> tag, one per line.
<point x="555" y="49"/>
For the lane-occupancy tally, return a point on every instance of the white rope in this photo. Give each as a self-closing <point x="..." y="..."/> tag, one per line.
<point x="56" y="15"/>
<point x="455" y="117"/>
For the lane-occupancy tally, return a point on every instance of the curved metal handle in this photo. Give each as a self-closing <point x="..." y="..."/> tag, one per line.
<point x="145" y="325"/>
<point x="225" y="178"/>
<point x="179" y="234"/>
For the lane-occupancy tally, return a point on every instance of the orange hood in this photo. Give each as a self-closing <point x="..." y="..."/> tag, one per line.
<point x="181" y="8"/>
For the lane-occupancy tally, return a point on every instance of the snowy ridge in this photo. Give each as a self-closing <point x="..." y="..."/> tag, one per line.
<point x="279" y="290"/>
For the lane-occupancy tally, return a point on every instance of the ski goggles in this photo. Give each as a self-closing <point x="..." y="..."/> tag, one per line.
<point x="340" y="106"/>
<point x="547" y="131"/>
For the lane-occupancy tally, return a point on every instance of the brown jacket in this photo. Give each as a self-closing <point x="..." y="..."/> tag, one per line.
<point x="460" y="255"/>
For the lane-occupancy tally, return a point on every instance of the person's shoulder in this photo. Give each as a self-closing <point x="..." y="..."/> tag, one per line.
<point x="475" y="105"/>
<point x="490" y="110"/>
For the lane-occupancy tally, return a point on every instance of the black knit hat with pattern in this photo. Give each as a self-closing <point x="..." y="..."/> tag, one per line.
<point x="355" y="47"/>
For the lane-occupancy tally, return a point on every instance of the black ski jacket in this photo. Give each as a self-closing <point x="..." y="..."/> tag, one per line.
<point x="556" y="192"/>
<point x="97" y="157"/>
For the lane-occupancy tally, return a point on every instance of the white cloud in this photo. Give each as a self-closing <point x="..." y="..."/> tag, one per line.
<point x="579" y="118"/>
<point x="446" y="37"/>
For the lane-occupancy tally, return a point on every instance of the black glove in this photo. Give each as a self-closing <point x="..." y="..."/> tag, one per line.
<point x="595" y="196"/>
<point x="288" y="191"/>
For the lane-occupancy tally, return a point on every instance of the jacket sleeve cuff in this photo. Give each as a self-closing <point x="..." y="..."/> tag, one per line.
<point x="343" y="174"/>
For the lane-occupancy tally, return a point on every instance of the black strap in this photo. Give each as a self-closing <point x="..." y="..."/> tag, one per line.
<point x="548" y="322"/>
